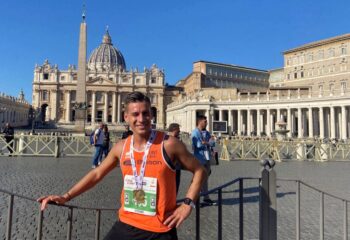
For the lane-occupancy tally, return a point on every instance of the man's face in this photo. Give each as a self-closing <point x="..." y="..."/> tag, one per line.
<point x="203" y="123"/>
<point x="138" y="116"/>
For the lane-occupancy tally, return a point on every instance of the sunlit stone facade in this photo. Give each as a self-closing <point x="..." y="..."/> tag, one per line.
<point x="310" y="93"/>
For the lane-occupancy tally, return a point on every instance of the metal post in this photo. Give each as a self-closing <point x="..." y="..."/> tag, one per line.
<point x="97" y="226"/>
<point x="297" y="200"/>
<point x="241" y="217"/>
<point x="9" y="218"/>
<point x="40" y="225"/>
<point x="220" y="214"/>
<point x="268" y="206"/>
<point x="345" y="220"/>
<point x="321" y="216"/>
<point x="69" y="223"/>
<point x="198" y="220"/>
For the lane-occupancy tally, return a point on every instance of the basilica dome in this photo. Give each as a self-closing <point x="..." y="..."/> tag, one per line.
<point x="106" y="56"/>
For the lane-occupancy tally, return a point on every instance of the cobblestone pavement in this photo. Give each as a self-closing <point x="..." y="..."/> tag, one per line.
<point x="36" y="176"/>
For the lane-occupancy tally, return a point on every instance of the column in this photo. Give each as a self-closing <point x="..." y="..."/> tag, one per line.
<point x="343" y="122"/>
<point x="114" y="107"/>
<point x="321" y="120"/>
<point x="68" y="108"/>
<point x="53" y="99"/>
<point x="93" y="107"/>
<point x="188" y="121"/>
<point x="229" y="124"/>
<point x="239" y="124"/>
<point x="289" y="122"/>
<point x="278" y="116"/>
<point x="220" y="115"/>
<point x="300" y="129"/>
<point x="248" y="123"/>
<point x="258" y="123"/>
<point x="332" y="122"/>
<point x="105" y="110"/>
<point x="311" y="124"/>
<point x="119" y="110"/>
<point x="268" y="122"/>
<point x="193" y="119"/>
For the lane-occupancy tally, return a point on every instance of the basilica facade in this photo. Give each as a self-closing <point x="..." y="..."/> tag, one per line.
<point x="107" y="83"/>
<point x="310" y="94"/>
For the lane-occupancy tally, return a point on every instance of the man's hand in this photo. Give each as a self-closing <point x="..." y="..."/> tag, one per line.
<point x="178" y="216"/>
<point x="60" y="200"/>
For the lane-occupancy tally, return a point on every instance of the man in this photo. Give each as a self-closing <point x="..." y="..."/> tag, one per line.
<point x="174" y="130"/>
<point x="201" y="150"/>
<point x="9" y="136"/>
<point x="127" y="132"/>
<point x="148" y="200"/>
<point x="98" y="143"/>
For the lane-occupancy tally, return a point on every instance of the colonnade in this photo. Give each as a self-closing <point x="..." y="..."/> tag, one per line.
<point x="302" y="122"/>
<point x="111" y="105"/>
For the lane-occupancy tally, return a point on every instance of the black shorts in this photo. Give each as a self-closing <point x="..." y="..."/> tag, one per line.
<point x="123" y="231"/>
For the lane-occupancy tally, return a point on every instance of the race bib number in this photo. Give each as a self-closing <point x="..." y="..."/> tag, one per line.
<point x="142" y="201"/>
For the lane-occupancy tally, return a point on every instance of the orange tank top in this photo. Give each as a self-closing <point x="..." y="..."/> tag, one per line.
<point x="156" y="167"/>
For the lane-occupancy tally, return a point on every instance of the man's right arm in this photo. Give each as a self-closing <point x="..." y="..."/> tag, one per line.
<point x="89" y="180"/>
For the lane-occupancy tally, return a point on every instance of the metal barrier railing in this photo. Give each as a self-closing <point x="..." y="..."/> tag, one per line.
<point x="242" y="149"/>
<point x="48" y="145"/>
<point x="71" y="208"/>
<point x="218" y="191"/>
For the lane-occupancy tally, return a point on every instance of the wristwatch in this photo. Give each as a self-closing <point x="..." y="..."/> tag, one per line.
<point x="189" y="202"/>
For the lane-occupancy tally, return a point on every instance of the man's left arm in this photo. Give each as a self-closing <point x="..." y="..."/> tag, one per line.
<point x="177" y="150"/>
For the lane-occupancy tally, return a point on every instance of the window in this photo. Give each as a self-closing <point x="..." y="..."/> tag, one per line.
<point x="343" y="50"/>
<point x="301" y="74"/>
<point x="331" y="52"/>
<point x="320" y="89"/>
<point x="288" y="76"/>
<point x="45" y="96"/>
<point x="73" y="96"/>
<point x="99" y="97"/>
<point x="46" y="76"/>
<point x="138" y="81"/>
<point x="311" y="57"/>
<point x="153" y="80"/>
<point x="75" y="77"/>
<point x="295" y="75"/>
<point x="288" y="61"/>
<point x="331" y="88"/>
<point x="343" y="87"/>
<point x="63" y="78"/>
<point x="320" y="54"/>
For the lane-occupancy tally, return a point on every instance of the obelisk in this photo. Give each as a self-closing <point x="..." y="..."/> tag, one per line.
<point x="80" y="105"/>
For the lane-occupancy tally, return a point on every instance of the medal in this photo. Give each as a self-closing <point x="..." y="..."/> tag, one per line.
<point x="139" y="196"/>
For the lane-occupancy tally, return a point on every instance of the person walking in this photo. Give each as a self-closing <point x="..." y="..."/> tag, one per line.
<point x="9" y="137"/>
<point x="201" y="150"/>
<point x="98" y="143"/>
<point x="127" y="132"/>
<point x="106" y="141"/>
<point x="147" y="159"/>
<point x="174" y="130"/>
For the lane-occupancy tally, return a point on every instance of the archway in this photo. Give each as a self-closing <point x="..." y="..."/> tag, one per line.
<point x="43" y="113"/>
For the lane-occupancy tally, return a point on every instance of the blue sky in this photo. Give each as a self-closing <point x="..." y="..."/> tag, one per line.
<point x="171" y="34"/>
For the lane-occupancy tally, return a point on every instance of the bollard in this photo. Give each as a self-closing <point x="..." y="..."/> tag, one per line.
<point x="267" y="202"/>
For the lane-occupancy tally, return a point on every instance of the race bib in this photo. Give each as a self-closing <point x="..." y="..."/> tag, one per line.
<point x="142" y="201"/>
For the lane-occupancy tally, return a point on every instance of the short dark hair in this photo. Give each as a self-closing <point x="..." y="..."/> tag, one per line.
<point x="134" y="97"/>
<point x="200" y="118"/>
<point x="173" y="126"/>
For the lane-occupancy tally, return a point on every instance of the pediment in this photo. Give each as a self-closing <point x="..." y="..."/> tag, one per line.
<point x="98" y="81"/>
